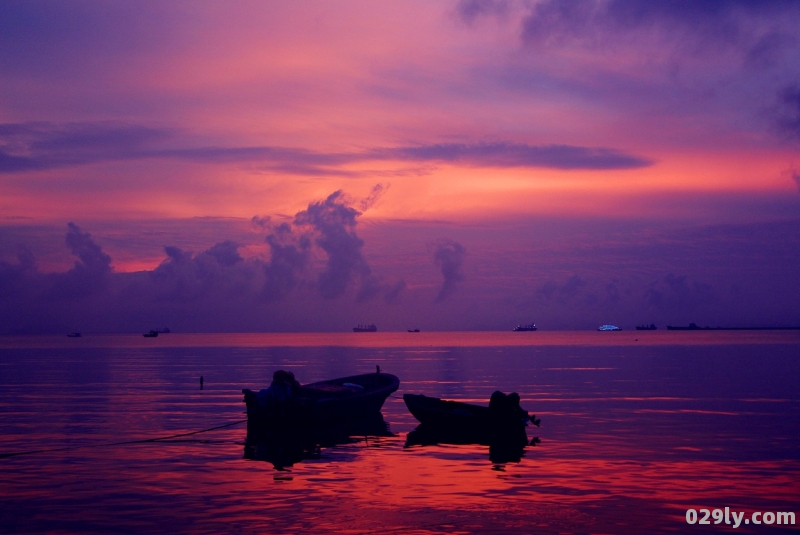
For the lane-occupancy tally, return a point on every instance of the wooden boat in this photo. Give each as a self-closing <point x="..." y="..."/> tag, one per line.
<point x="501" y="425"/>
<point x="502" y="414"/>
<point x="336" y="400"/>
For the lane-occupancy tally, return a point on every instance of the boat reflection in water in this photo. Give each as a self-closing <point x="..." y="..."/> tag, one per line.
<point x="287" y="422"/>
<point x="501" y="425"/>
<point x="503" y="447"/>
<point x="285" y="446"/>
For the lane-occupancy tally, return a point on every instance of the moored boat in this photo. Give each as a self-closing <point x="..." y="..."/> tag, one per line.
<point x="502" y="414"/>
<point x="691" y="327"/>
<point x="287" y="403"/>
<point x="525" y="328"/>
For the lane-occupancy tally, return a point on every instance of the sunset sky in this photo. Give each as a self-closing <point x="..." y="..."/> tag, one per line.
<point x="307" y="166"/>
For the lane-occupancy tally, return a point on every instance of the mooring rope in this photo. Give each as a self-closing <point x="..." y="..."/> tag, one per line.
<point x="121" y="443"/>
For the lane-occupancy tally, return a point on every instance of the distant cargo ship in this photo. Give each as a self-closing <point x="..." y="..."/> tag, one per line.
<point x="365" y="328"/>
<point x="651" y="327"/>
<point x="695" y="327"/>
<point x="520" y="328"/>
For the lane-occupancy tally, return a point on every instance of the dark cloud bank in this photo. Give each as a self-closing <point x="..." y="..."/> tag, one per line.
<point x="677" y="42"/>
<point x="316" y="268"/>
<point x="449" y="257"/>
<point x="562" y="275"/>
<point x="41" y="146"/>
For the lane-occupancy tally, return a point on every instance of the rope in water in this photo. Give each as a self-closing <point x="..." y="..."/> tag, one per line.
<point x="124" y="442"/>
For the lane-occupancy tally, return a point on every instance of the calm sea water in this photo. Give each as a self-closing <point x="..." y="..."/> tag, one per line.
<point x="637" y="427"/>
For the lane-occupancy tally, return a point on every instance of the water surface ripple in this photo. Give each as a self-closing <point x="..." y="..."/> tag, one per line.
<point x="636" y="428"/>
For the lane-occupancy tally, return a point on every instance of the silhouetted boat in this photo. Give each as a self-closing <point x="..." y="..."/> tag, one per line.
<point x="365" y="328"/>
<point x="690" y="327"/>
<point x="502" y="414"/>
<point x="337" y="400"/>
<point x="74" y="335"/>
<point x="608" y="328"/>
<point x="521" y="328"/>
<point x="413" y="330"/>
<point x="501" y="425"/>
<point x="651" y="327"/>
<point x="151" y="334"/>
<point x="695" y="327"/>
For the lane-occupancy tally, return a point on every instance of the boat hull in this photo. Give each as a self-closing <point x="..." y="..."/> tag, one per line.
<point x="337" y="400"/>
<point x="458" y="417"/>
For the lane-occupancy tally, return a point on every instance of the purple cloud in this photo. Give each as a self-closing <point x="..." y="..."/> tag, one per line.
<point x="449" y="258"/>
<point x="289" y="256"/>
<point x="602" y="22"/>
<point x="471" y="10"/>
<point x="90" y="274"/>
<point x="330" y="225"/>
<point x="551" y="290"/>
<point x="521" y="155"/>
<point x="789" y="118"/>
<point x="677" y="296"/>
<point x="39" y="146"/>
<point x="593" y="271"/>
<point x="334" y="222"/>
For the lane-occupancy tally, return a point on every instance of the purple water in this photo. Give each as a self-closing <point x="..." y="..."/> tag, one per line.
<point x="636" y="429"/>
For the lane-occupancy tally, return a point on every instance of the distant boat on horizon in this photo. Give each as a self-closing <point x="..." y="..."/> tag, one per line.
<point x="74" y="335"/>
<point x="608" y="327"/>
<point x="413" y="330"/>
<point x="691" y="327"/>
<point x="151" y="334"/>
<point x="651" y="327"/>
<point x="371" y="328"/>
<point x="525" y="328"/>
<point x="694" y="327"/>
